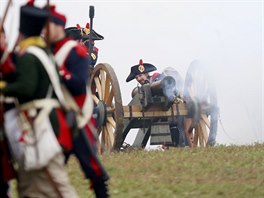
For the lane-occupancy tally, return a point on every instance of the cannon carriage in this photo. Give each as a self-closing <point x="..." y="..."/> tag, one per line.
<point x="153" y="109"/>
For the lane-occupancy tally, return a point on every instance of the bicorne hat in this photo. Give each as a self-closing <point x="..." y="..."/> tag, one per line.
<point x="74" y="33"/>
<point x="141" y="68"/>
<point x="78" y="33"/>
<point x="86" y="31"/>
<point x="32" y="19"/>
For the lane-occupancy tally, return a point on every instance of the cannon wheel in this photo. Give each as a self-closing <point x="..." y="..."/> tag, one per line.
<point x="107" y="96"/>
<point x="200" y="124"/>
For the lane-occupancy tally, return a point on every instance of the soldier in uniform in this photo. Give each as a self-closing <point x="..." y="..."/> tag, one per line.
<point x="72" y="60"/>
<point x="34" y="91"/>
<point x="140" y="72"/>
<point x="82" y="35"/>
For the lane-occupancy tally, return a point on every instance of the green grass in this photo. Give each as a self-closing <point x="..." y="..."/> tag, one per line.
<point x="221" y="171"/>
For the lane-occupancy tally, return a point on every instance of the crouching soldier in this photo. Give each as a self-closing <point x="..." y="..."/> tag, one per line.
<point x="141" y="73"/>
<point x="73" y="63"/>
<point x="41" y="171"/>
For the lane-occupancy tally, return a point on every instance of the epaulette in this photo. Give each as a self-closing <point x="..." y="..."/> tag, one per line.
<point x="81" y="50"/>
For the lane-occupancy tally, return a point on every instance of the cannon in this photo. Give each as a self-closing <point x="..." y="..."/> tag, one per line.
<point x="151" y="109"/>
<point x="148" y="98"/>
<point x="160" y="93"/>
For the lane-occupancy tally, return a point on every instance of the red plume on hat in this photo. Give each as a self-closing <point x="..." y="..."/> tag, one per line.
<point x="57" y="17"/>
<point x="31" y="2"/>
<point x="87" y="25"/>
<point x="52" y="8"/>
<point x="78" y="26"/>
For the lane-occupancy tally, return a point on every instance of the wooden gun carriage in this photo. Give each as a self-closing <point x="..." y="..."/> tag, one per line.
<point x="151" y="108"/>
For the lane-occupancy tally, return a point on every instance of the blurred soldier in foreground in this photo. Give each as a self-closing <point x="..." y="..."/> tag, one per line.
<point x="72" y="60"/>
<point x="82" y="35"/>
<point x="41" y="171"/>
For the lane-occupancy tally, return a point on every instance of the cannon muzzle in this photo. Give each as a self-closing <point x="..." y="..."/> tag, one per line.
<point x="161" y="93"/>
<point x="165" y="87"/>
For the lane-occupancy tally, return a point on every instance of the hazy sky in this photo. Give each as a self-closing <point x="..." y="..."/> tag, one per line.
<point x="227" y="36"/>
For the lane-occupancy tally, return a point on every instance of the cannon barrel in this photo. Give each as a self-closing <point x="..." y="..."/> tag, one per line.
<point x="164" y="87"/>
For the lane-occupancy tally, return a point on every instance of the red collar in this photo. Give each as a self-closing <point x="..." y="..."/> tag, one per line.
<point x="59" y="44"/>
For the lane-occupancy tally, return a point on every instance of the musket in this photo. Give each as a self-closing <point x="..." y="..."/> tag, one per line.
<point x="1" y="29"/>
<point x="5" y="14"/>
<point x="91" y="15"/>
<point x="47" y="26"/>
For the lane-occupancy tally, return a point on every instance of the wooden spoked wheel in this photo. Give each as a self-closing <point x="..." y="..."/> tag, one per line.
<point x="200" y="124"/>
<point x="107" y="97"/>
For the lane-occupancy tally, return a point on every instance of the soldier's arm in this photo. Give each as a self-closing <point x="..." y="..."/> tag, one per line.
<point x="77" y="66"/>
<point x="26" y="81"/>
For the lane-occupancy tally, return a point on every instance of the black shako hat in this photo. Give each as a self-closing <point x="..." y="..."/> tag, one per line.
<point x="141" y="68"/>
<point x="32" y="19"/>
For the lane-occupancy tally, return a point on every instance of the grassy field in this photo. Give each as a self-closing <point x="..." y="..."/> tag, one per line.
<point x="221" y="171"/>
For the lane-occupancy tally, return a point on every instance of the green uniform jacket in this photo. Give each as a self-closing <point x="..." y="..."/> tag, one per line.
<point x="32" y="82"/>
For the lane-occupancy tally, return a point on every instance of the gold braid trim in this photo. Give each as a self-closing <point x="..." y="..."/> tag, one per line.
<point x="85" y="31"/>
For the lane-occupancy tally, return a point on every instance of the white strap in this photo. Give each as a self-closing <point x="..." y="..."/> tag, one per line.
<point x="46" y="105"/>
<point x="87" y="109"/>
<point x="51" y="70"/>
<point x="63" y="52"/>
<point x="39" y="104"/>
